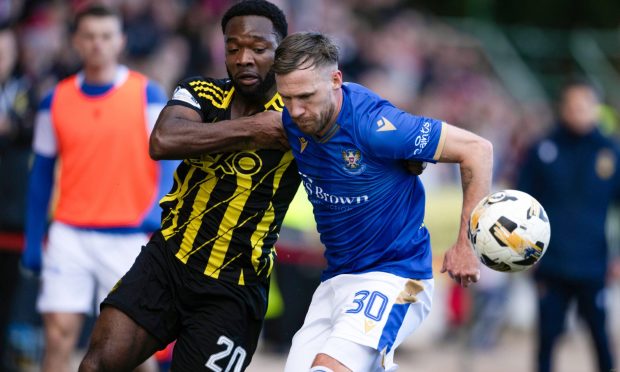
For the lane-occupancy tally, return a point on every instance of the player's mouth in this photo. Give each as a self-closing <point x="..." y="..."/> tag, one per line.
<point x="247" y="78"/>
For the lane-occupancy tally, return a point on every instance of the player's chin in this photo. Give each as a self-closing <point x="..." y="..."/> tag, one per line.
<point x="250" y="91"/>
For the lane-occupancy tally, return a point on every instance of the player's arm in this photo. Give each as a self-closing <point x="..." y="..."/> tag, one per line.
<point x="180" y="131"/>
<point x="40" y="185"/>
<point x="474" y="155"/>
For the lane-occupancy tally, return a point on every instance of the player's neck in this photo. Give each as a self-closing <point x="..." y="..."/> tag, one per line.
<point x="100" y="75"/>
<point x="246" y="106"/>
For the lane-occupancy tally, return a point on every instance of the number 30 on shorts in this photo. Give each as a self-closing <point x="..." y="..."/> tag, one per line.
<point x="372" y="303"/>
<point x="236" y="360"/>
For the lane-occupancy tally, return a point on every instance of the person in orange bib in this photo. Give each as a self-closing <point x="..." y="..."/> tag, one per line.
<point x="92" y="130"/>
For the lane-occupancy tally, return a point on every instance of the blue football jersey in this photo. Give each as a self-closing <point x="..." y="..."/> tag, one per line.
<point x="368" y="208"/>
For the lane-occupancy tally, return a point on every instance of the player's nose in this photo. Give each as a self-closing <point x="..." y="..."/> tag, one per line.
<point x="245" y="57"/>
<point x="296" y="110"/>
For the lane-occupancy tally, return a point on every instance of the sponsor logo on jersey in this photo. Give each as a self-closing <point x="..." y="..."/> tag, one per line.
<point x="385" y="125"/>
<point x="317" y="195"/>
<point x="422" y="139"/>
<point x="353" y="161"/>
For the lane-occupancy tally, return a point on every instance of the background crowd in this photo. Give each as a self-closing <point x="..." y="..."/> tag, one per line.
<point x="425" y="64"/>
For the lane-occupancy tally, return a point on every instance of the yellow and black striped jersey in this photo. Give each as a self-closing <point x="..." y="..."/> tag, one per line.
<point x="225" y="210"/>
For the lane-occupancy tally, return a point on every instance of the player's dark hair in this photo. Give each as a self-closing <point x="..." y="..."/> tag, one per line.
<point x="304" y="50"/>
<point x="258" y="8"/>
<point x="96" y="10"/>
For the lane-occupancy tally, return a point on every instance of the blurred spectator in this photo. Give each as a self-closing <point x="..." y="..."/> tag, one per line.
<point x="574" y="174"/>
<point x="16" y="116"/>
<point x="97" y="124"/>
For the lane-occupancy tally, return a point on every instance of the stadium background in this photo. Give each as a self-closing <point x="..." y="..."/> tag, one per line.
<point x="493" y="67"/>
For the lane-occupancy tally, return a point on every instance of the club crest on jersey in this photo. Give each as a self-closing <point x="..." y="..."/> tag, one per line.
<point x="353" y="161"/>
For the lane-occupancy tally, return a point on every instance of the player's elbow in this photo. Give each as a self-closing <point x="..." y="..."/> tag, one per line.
<point x="478" y="151"/>
<point x="485" y="148"/>
<point x="157" y="146"/>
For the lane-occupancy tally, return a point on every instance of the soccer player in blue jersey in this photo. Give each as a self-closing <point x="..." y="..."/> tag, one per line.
<point x="349" y="145"/>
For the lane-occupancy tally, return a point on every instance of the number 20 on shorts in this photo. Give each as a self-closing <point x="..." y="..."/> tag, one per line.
<point x="372" y="303"/>
<point x="236" y="361"/>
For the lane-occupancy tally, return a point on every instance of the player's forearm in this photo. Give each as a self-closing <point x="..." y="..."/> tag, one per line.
<point x="179" y="138"/>
<point x="40" y="184"/>
<point x="476" y="177"/>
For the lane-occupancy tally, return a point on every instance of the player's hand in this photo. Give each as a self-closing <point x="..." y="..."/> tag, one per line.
<point x="461" y="264"/>
<point x="415" y="167"/>
<point x="268" y="131"/>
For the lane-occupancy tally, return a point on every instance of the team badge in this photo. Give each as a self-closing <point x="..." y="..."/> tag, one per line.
<point x="353" y="161"/>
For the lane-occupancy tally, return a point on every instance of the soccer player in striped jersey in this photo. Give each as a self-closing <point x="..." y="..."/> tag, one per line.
<point x="349" y="145"/>
<point x="203" y="279"/>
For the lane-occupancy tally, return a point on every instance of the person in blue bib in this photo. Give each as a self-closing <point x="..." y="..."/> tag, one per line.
<point x="349" y="145"/>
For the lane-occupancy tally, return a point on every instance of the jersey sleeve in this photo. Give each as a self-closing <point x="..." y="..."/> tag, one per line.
<point x="395" y="134"/>
<point x="44" y="141"/>
<point x="204" y="95"/>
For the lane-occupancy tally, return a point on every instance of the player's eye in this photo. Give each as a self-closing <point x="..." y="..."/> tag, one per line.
<point x="259" y="50"/>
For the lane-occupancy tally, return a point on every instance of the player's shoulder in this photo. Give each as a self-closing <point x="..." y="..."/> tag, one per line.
<point x="209" y="92"/>
<point x="360" y="94"/>
<point x="363" y="101"/>
<point x="201" y="84"/>
<point x="45" y="103"/>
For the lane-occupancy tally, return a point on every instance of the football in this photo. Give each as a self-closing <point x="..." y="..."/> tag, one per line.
<point x="509" y="231"/>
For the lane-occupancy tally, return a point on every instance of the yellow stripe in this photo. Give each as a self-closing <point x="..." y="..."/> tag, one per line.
<point x="229" y="223"/>
<point x="175" y="228"/>
<point x="224" y="103"/>
<point x="208" y="90"/>
<point x="172" y="195"/>
<point x="228" y="98"/>
<point x="241" y="279"/>
<point x="442" y="141"/>
<point x="213" y="101"/>
<point x="275" y="102"/>
<point x="207" y="83"/>
<point x="262" y="229"/>
<point x="194" y="221"/>
<point x="181" y="191"/>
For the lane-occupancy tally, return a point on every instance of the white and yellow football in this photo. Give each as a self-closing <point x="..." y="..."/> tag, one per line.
<point x="509" y="231"/>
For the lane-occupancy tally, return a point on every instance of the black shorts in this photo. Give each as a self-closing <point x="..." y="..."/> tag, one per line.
<point x="216" y="324"/>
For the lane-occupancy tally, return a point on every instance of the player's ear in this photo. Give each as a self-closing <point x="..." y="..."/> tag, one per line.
<point x="336" y="79"/>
